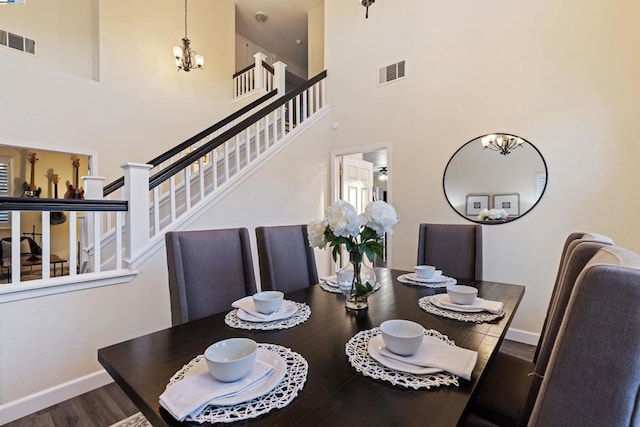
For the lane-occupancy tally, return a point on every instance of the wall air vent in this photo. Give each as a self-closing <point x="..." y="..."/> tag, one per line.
<point x="17" y="42"/>
<point x="391" y="73"/>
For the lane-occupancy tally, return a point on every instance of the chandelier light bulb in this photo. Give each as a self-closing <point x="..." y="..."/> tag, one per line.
<point x="503" y="144"/>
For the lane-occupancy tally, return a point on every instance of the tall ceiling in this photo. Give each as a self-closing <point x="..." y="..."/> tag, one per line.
<point x="286" y="23"/>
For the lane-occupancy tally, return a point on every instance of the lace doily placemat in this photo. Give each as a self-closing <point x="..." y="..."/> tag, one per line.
<point x="325" y="287"/>
<point x="480" y="317"/>
<point x="279" y="397"/>
<point x="449" y="281"/>
<point x="358" y="355"/>
<point x="300" y="316"/>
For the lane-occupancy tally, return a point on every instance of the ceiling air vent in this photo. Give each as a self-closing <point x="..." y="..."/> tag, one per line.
<point x="391" y="72"/>
<point x="17" y="42"/>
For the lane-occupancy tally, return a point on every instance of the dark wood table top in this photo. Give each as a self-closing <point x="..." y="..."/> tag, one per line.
<point x="334" y="393"/>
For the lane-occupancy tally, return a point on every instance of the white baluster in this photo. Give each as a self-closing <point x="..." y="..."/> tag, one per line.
<point x="46" y="244"/>
<point x="73" y="242"/>
<point x="15" y="246"/>
<point x="97" y="247"/>
<point x="119" y="216"/>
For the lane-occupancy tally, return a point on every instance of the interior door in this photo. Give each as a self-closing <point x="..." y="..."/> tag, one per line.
<point x="356" y="187"/>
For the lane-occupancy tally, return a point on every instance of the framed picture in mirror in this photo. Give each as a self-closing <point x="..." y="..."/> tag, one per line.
<point x="509" y="202"/>
<point x="477" y="202"/>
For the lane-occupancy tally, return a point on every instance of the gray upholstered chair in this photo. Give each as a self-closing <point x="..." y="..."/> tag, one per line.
<point x="569" y="244"/>
<point x="287" y="262"/>
<point x="208" y="270"/>
<point x="454" y="249"/>
<point x="509" y="390"/>
<point x="593" y="375"/>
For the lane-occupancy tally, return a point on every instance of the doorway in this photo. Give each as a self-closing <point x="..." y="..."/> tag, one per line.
<point x="360" y="175"/>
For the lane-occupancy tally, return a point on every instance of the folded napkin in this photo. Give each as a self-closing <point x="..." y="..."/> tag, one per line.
<point x="246" y="304"/>
<point x="435" y="353"/>
<point x="494" y="307"/>
<point x="330" y="280"/>
<point x="191" y="395"/>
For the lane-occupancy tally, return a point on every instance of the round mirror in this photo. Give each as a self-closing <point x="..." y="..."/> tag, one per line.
<point x="495" y="178"/>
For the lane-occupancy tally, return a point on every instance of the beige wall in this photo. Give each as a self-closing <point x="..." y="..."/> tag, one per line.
<point x="315" y="36"/>
<point x="561" y="74"/>
<point x="65" y="33"/>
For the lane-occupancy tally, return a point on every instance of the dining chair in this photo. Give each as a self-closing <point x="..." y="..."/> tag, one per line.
<point x="208" y="270"/>
<point x="287" y="262"/>
<point x="570" y="243"/>
<point x="455" y="249"/>
<point x="508" y="392"/>
<point x="593" y="375"/>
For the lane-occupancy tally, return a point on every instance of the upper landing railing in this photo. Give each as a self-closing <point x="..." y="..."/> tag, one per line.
<point x="257" y="76"/>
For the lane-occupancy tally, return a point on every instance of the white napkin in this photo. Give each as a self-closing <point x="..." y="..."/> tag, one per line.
<point x="330" y="280"/>
<point x="246" y="304"/>
<point x="434" y="353"/>
<point x="494" y="307"/>
<point x="191" y="395"/>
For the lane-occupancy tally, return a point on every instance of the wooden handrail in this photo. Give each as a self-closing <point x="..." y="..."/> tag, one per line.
<point x="192" y="157"/>
<point x="268" y="67"/>
<point x="36" y="204"/>
<point x="119" y="183"/>
<point x="244" y="70"/>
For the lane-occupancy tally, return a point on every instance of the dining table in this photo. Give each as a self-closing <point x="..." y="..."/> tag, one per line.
<point x="334" y="393"/>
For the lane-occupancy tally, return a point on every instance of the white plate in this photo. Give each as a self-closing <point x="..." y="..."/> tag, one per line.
<point x="376" y="343"/>
<point x="288" y="309"/>
<point x="412" y="276"/>
<point x="452" y="307"/>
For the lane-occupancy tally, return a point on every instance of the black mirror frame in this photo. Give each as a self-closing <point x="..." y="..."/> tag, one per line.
<point x="495" y="222"/>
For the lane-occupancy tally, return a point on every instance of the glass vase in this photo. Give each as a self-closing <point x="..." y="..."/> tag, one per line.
<point x="355" y="273"/>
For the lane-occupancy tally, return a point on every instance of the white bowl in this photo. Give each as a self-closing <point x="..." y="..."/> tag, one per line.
<point x="268" y="301"/>
<point x="424" y="271"/>
<point x="402" y="337"/>
<point x="231" y="359"/>
<point x="462" y="294"/>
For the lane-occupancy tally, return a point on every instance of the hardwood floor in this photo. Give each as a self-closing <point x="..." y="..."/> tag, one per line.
<point x="98" y="408"/>
<point x="107" y="405"/>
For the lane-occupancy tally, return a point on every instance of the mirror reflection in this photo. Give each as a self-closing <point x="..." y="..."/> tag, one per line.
<point x="495" y="178"/>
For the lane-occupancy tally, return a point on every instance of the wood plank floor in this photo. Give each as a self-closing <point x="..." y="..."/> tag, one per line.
<point x="107" y="405"/>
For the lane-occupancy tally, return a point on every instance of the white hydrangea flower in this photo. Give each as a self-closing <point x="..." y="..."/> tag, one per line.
<point x="343" y="219"/>
<point x="380" y="217"/>
<point x="315" y="232"/>
<point x="484" y="214"/>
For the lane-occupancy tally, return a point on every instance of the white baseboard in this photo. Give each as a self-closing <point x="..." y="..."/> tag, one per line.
<point x="24" y="406"/>
<point x="524" y="337"/>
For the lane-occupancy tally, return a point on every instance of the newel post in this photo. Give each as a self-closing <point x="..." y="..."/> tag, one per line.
<point x="279" y="78"/>
<point x="258" y="75"/>
<point x="136" y="192"/>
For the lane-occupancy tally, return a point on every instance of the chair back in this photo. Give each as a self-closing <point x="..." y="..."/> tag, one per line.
<point x="569" y="245"/>
<point x="579" y="254"/>
<point x="593" y="375"/>
<point x="208" y="270"/>
<point x="455" y="249"/>
<point x="287" y="262"/>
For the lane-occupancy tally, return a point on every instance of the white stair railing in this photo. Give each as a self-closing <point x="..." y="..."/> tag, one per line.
<point x="259" y="76"/>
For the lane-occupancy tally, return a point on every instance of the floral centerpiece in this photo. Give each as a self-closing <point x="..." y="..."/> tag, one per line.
<point x="360" y="234"/>
<point x="492" y="214"/>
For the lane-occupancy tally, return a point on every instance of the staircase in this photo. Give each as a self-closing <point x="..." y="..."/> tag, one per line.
<point x="171" y="190"/>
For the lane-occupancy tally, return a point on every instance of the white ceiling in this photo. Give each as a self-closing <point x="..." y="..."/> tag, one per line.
<point x="286" y="23"/>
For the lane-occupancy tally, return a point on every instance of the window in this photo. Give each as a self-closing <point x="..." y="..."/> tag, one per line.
<point x="5" y="188"/>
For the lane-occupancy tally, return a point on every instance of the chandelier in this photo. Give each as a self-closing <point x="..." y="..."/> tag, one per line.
<point x="187" y="59"/>
<point x="503" y="144"/>
<point x="366" y="3"/>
